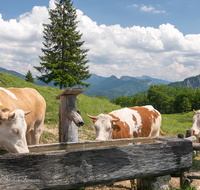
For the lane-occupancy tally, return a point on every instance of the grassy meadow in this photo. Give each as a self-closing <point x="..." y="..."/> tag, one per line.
<point x="172" y="124"/>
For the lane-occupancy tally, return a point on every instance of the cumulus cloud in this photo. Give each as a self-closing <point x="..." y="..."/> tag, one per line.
<point x="139" y="50"/>
<point x="162" y="52"/>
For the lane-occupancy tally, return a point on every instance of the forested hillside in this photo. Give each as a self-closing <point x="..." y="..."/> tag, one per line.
<point x="193" y="82"/>
<point x="171" y="124"/>
<point x="165" y="98"/>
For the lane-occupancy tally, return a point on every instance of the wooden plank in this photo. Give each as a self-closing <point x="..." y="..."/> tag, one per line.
<point x="196" y="146"/>
<point x="86" y="167"/>
<point x="91" y="144"/>
<point x="85" y="144"/>
<point x="188" y="175"/>
<point x="70" y="91"/>
<point x="88" y="144"/>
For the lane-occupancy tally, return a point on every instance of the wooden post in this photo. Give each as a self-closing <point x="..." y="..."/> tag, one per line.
<point x="69" y="119"/>
<point x="189" y="133"/>
<point x="184" y="181"/>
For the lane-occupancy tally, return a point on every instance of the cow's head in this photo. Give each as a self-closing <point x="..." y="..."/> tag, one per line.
<point x="196" y="123"/>
<point x="104" y="124"/>
<point x="13" y="131"/>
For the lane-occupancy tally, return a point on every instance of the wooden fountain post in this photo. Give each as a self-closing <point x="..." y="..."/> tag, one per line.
<point x="69" y="119"/>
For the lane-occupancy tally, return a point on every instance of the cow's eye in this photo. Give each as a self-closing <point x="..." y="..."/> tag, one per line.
<point x="108" y="129"/>
<point x="15" y="131"/>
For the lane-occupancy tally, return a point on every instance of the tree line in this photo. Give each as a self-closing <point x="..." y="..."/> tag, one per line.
<point x="164" y="98"/>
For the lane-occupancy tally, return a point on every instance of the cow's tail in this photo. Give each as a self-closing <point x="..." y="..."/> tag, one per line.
<point x="162" y="133"/>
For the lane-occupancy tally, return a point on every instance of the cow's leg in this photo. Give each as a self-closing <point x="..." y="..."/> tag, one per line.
<point x="28" y="140"/>
<point x="37" y="132"/>
<point x="29" y="137"/>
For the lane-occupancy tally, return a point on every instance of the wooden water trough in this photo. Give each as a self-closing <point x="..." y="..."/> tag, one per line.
<point x="71" y="165"/>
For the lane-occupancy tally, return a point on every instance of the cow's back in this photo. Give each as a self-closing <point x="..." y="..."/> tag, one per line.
<point x="25" y="99"/>
<point x="142" y="121"/>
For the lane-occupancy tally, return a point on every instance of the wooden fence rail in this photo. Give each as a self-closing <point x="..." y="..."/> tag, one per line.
<point x="81" y="167"/>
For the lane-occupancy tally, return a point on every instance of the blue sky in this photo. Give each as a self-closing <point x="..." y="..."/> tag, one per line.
<point x="157" y="38"/>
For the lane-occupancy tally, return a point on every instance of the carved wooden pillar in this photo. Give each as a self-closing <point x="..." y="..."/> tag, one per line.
<point x="69" y="119"/>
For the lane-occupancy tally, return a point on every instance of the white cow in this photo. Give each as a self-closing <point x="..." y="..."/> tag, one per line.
<point x="144" y="121"/>
<point x="26" y="99"/>
<point x="13" y="131"/>
<point x="196" y="124"/>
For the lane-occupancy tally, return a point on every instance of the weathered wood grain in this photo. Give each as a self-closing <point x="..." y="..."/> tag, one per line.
<point x="89" y="144"/>
<point x="86" y="144"/>
<point x="76" y="118"/>
<point x="196" y="146"/>
<point x="70" y="91"/>
<point x="68" y="130"/>
<point x="85" y="167"/>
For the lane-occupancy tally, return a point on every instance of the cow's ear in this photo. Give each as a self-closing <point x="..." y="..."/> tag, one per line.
<point x="194" y="111"/>
<point x="2" y="116"/>
<point x="94" y="119"/>
<point x="116" y="128"/>
<point x="11" y="115"/>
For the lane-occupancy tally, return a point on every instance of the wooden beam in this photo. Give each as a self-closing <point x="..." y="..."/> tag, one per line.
<point x="85" y="167"/>
<point x="68" y="131"/>
<point x="188" y="175"/>
<point x="85" y="144"/>
<point x="70" y="91"/>
<point x="196" y="146"/>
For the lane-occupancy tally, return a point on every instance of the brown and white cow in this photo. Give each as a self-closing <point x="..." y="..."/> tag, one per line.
<point x="144" y="121"/>
<point x="14" y="102"/>
<point x="196" y="124"/>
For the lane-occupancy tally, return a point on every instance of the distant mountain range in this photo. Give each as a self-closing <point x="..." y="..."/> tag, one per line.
<point x="126" y="85"/>
<point x="113" y="87"/>
<point x="193" y="82"/>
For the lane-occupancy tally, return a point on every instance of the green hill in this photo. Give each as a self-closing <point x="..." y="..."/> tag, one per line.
<point x="112" y="87"/>
<point x="87" y="105"/>
<point x="171" y="124"/>
<point x="193" y="82"/>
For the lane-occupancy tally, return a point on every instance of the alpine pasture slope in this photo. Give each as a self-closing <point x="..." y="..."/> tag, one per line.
<point x="172" y="124"/>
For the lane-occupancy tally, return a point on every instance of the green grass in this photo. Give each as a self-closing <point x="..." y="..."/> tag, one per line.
<point x="187" y="188"/>
<point x="87" y="105"/>
<point x="172" y="124"/>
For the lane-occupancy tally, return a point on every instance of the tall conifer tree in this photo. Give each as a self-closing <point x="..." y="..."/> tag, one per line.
<point x="64" y="59"/>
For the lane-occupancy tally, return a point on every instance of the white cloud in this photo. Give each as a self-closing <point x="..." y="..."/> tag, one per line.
<point x="150" y="8"/>
<point x="139" y="50"/>
<point x="162" y="52"/>
<point x="52" y="4"/>
<point x="147" y="9"/>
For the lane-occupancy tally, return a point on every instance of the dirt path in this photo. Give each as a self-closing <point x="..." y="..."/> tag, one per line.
<point x="124" y="185"/>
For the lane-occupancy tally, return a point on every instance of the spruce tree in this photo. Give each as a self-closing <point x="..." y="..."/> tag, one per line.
<point x="29" y="77"/>
<point x="64" y="60"/>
